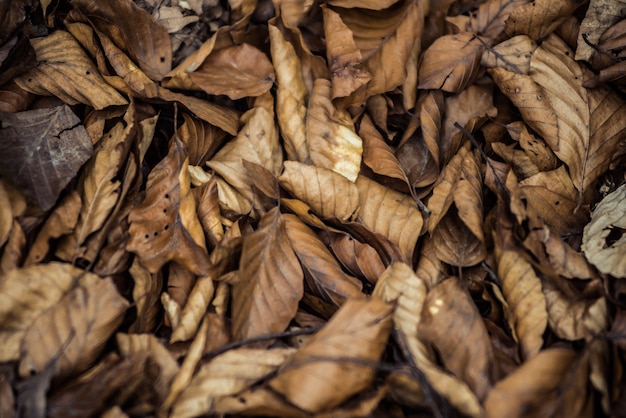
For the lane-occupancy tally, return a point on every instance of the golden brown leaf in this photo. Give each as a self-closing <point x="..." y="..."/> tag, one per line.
<point x="323" y="274"/>
<point x="291" y="96"/>
<point x="209" y="213"/>
<point x="27" y="293"/>
<point x="536" y="149"/>
<point x="237" y="72"/>
<point x="100" y="189"/>
<point x="194" y="309"/>
<point x="391" y="214"/>
<point x="556" y="386"/>
<point x="77" y="326"/>
<point x="455" y="244"/>
<point x="451" y="63"/>
<point x="389" y="43"/>
<point x="6" y="217"/>
<point x="451" y="322"/>
<point x="590" y="122"/>
<point x="491" y="16"/>
<point x="257" y="142"/>
<point x="148" y="350"/>
<point x="165" y="226"/>
<point x="65" y="71"/>
<point x="377" y="155"/>
<point x="61" y="221"/>
<point x="202" y="139"/>
<point x="331" y="139"/>
<point x="564" y="259"/>
<point x="227" y="374"/>
<point x="365" y="4"/>
<point x="600" y="16"/>
<point x="527" y="304"/>
<point x="135" y="31"/>
<point x="537" y="19"/>
<point x="329" y="194"/>
<point x="357" y="257"/>
<point x="401" y="286"/>
<point x="146" y="295"/>
<point x="512" y="55"/>
<point x="339" y="360"/>
<point x="554" y="196"/>
<point x="344" y="57"/>
<point x="270" y="287"/>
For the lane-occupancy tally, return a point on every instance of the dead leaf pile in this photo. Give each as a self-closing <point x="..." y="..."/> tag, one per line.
<point x="399" y="208"/>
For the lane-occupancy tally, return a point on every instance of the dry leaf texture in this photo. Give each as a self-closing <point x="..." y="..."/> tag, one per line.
<point x="296" y="208"/>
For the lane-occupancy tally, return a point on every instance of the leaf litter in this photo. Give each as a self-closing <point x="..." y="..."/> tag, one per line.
<point x="335" y="209"/>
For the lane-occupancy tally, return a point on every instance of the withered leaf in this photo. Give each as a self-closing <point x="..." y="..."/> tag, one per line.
<point x="165" y="226"/>
<point x="65" y="71"/>
<point x="43" y="151"/>
<point x="538" y="19"/>
<point x="391" y="214"/>
<point x="329" y="194"/>
<point x="451" y="63"/>
<point x="270" y="284"/>
<point x="25" y="294"/>
<point x="135" y="30"/>
<point x="237" y="72"/>
<point x="323" y="274"/>
<point x="339" y="361"/>
<point x="451" y="322"/>
<point x="78" y="326"/>
<point x="227" y="374"/>
<point x="551" y="373"/>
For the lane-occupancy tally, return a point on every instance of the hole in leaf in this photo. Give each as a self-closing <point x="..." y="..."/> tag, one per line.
<point x="87" y="72"/>
<point x="162" y="59"/>
<point x="166" y="227"/>
<point x="167" y="196"/>
<point x="146" y="236"/>
<point x="156" y="233"/>
<point x="615" y="235"/>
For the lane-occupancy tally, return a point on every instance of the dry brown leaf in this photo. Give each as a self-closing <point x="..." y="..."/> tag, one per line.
<point x="194" y="309"/>
<point x="209" y="213"/>
<point x="146" y="294"/>
<point x="331" y="139"/>
<point x="237" y="72"/>
<point x="257" y="142"/>
<point x="227" y="374"/>
<point x="291" y="96"/>
<point x="451" y="63"/>
<point x="323" y="274"/>
<point x="259" y="401"/>
<point x="603" y="237"/>
<point x="512" y="55"/>
<point x="328" y="193"/>
<point x="65" y="71"/>
<point x="455" y="244"/>
<point x="270" y="287"/>
<point x="6" y="217"/>
<point x="344" y="57"/>
<point x="537" y="19"/>
<point x="401" y="286"/>
<point x="429" y="267"/>
<point x="451" y="322"/>
<point x="147" y="350"/>
<point x="135" y="31"/>
<point x="14" y="249"/>
<point x="365" y="4"/>
<point x="526" y="302"/>
<point x="202" y="139"/>
<point x="391" y="214"/>
<point x="491" y="16"/>
<point x="339" y="361"/>
<point x="590" y="122"/>
<point x="554" y="196"/>
<point x="536" y="149"/>
<point x="556" y="387"/>
<point x="431" y="118"/>
<point x="377" y="155"/>
<point x="165" y="226"/>
<point x="61" y="221"/>
<point x="564" y="259"/>
<point x="101" y="189"/>
<point x="389" y="44"/>
<point x="25" y="294"/>
<point x="357" y="257"/>
<point x="77" y="326"/>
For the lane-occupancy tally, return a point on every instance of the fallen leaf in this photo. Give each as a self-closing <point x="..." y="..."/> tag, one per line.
<point x="65" y="71"/>
<point x="270" y="286"/>
<point x="165" y="226"/>
<point x="44" y="149"/>
<point x="237" y="72"/>
<point x="540" y="18"/>
<point x="339" y="361"/>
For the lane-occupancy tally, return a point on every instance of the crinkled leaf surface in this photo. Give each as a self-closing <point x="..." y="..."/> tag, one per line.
<point x="43" y="150"/>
